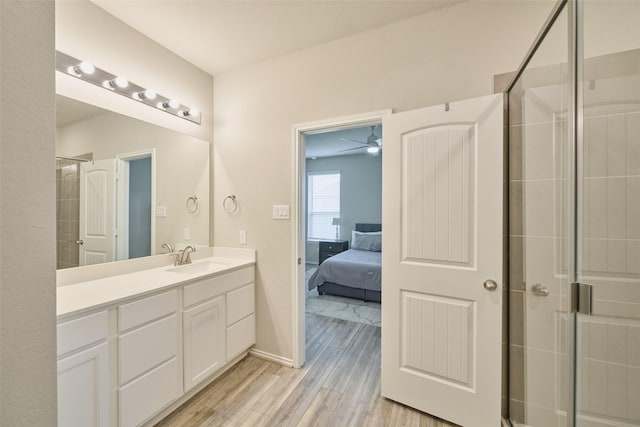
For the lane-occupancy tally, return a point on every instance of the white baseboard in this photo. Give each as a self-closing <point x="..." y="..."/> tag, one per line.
<point x="271" y="357"/>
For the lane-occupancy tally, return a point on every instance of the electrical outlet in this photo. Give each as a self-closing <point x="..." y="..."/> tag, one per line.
<point x="243" y="237"/>
<point x="186" y="233"/>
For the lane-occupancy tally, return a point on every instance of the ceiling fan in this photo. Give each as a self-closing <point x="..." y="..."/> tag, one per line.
<point x="373" y="144"/>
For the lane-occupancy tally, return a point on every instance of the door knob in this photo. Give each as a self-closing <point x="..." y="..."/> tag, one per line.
<point x="80" y="242"/>
<point x="490" y="285"/>
<point x="540" y="290"/>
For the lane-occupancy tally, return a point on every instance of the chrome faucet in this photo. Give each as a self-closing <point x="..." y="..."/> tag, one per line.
<point x="184" y="256"/>
<point x="167" y="246"/>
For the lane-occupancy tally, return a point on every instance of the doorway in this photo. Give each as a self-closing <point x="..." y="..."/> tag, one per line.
<point x="135" y="198"/>
<point x="324" y="219"/>
<point x="344" y="191"/>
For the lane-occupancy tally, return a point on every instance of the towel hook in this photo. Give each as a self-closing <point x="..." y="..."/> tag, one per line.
<point x="232" y="205"/>
<point x="192" y="204"/>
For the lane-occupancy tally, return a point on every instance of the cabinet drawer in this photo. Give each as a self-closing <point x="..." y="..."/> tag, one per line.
<point x="146" y="347"/>
<point x="241" y="336"/>
<point x="240" y="303"/>
<point x="144" y="397"/>
<point x="78" y="333"/>
<point x="147" y="309"/>
<point x="333" y="247"/>
<point x="209" y="288"/>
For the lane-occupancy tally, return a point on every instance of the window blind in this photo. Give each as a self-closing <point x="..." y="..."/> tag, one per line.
<point x="324" y="205"/>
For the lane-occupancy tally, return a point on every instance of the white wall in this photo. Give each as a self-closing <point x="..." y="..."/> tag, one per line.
<point x="360" y="192"/>
<point x="448" y="55"/>
<point x="182" y="167"/>
<point x="86" y="32"/>
<point x="27" y="215"/>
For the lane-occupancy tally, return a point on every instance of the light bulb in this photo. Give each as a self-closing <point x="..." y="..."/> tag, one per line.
<point x="72" y="70"/>
<point x="373" y="150"/>
<point x="121" y="82"/>
<point x="146" y="94"/>
<point x="169" y="104"/>
<point x="189" y="113"/>
<point x="149" y="94"/>
<point x="81" y="68"/>
<point x="86" y="67"/>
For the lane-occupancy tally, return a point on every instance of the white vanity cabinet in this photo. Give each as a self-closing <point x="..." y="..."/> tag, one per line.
<point x="208" y="306"/>
<point x="134" y="358"/>
<point x="204" y="336"/>
<point x="83" y="371"/>
<point x="149" y="372"/>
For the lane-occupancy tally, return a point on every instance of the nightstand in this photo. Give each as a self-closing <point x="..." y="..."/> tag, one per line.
<point x="329" y="248"/>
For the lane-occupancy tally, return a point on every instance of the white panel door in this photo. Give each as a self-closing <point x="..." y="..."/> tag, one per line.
<point x="97" y="212"/>
<point x="442" y="222"/>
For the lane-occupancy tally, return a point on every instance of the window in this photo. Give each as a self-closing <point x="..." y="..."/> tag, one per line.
<point x="323" y="205"/>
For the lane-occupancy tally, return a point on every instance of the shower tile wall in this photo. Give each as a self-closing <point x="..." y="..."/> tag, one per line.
<point x="67" y="213"/>
<point x="609" y="339"/>
<point x="538" y="236"/>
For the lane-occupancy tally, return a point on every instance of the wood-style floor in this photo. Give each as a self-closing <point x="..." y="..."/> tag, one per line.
<point x="339" y="385"/>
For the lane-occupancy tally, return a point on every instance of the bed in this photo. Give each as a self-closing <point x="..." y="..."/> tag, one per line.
<point x="354" y="273"/>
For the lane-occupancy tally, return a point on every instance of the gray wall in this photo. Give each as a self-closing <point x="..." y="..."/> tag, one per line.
<point x="140" y="207"/>
<point x="360" y="192"/>
<point x="27" y="215"/>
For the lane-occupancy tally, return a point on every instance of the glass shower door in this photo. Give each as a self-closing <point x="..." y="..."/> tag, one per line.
<point x="538" y="276"/>
<point x="608" y="219"/>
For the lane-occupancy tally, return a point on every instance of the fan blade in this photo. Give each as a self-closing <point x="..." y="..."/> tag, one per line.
<point x="354" y="140"/>
<point x="351" y="149"/>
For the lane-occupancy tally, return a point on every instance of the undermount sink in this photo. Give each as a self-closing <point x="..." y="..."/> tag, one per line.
<point x="200" y="267"/>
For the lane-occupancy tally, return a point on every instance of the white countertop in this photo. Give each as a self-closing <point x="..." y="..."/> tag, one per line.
<point x="90" y="295"/>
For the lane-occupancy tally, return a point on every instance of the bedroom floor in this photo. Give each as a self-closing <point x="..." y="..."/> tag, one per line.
<point x="340" y="307"/>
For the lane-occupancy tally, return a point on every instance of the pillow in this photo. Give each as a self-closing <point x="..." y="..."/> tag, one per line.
<point x="354" y="233"/>
<point x="367" y="241"/>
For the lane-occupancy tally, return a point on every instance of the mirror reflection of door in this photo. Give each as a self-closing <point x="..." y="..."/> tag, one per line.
<point x="97" y="212"/>
<point x="115" y="209"/>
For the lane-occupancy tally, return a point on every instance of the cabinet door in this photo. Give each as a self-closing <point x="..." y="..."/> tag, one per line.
<point x="83" y="388"/>
<point x="204" y="341"/>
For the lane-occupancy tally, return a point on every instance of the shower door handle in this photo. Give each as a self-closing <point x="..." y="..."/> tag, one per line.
<point x="540" y="290"/>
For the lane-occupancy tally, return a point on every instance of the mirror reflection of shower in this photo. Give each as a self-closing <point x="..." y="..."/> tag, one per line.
<point x="68" y="210"/>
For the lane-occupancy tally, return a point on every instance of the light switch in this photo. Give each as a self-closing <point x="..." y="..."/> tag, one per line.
<point x="280" y="211"/>
<point x="161" y="211"/>
<point x="243" y="237"/>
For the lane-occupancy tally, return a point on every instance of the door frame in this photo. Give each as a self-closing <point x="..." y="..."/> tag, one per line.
<point x="298" y="220"/>
<point x="122" y="195"/>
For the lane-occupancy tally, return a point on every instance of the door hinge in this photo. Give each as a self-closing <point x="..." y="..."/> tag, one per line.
<point x="299" y="261"/>
<point x="581" y="298"/>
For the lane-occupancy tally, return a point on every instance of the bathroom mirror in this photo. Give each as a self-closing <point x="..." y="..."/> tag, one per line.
<point x="125" y="187"/>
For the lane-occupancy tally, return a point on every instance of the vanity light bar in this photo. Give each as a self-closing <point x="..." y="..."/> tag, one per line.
<point x="92" y="74"/>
